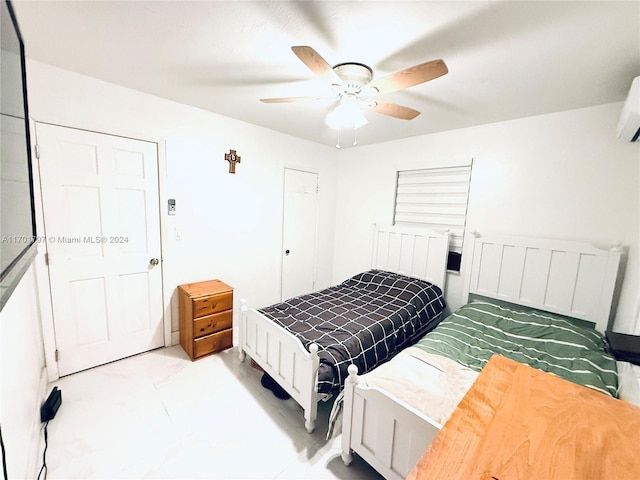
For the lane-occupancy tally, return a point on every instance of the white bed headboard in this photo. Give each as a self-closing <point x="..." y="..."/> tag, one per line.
<point x="575" y="279"/>
<point x="415" y="252"/>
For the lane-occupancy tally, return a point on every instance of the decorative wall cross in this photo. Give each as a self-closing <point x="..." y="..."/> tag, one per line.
<point x="232" y="157"/>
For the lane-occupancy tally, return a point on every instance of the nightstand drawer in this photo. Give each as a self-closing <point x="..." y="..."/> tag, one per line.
<point x="212" y="323"/>
<point x="212" y="304"/>
<point x="213" y="343"/>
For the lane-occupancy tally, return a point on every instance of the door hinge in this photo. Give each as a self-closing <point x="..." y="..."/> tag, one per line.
<point x="37" y="151"/>
<point x="57" y="355"/>
<point x="46" y="258"/>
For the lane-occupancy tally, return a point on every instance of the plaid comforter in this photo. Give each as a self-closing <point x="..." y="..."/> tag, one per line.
<point x="365" y="320"/>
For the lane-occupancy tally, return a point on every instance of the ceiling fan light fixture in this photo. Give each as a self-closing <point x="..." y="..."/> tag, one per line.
<point x="347" y="114"/>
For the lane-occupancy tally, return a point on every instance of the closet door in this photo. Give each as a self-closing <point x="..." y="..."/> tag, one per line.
<point x="102" y="226"/>
<point x="299" y="232"/>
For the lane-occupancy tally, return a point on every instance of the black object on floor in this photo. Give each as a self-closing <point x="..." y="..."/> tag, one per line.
<point x="271" y="384"/>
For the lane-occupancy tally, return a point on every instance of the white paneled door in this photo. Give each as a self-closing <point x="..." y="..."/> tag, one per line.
<point x="102" y="227"/>
<point x="299" y="232"/>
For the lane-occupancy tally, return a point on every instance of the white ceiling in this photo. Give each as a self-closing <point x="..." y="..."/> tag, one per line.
<point x="506" y="59"/>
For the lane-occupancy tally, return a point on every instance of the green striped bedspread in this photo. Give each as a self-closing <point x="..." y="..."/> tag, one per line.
<point x="551" y="343"/>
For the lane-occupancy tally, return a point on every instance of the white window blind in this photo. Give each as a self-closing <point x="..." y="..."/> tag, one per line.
<point x="434" y="197"/>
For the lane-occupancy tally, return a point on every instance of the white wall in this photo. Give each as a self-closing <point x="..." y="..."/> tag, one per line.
<point x="23" y="377"/>
<point x="563" y="175"/>
<point x="231" y="225"/>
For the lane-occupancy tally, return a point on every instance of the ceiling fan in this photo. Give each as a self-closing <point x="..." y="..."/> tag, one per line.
<point x="355" y="87"/>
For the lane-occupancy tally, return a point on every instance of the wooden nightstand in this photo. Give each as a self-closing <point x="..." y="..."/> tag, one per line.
<point x="206" y="317"/>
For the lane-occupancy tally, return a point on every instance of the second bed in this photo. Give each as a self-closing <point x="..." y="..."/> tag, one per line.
<point x="535" y="301"/>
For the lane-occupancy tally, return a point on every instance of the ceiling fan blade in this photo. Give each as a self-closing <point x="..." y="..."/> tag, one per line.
<point x="395" y="110"/>
<point x="317" y="64"/>
<point x="296" y="99"/>
<point x="409" y="77"/>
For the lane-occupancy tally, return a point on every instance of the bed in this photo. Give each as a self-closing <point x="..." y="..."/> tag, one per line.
<point x="306" y="343"/>
<point x="537" y="301"/>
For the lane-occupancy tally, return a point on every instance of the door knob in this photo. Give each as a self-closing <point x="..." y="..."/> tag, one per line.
<point x="286" y="252"/>
<point x="154" y="261"/>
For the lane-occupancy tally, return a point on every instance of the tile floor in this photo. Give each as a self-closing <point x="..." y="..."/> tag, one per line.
<point x="159" y="415"/>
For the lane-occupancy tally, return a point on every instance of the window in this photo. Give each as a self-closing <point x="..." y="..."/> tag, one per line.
<point x="436" y="198"/>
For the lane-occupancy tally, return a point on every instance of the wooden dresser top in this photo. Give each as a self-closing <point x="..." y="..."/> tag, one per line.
<point x="518" y="422"/>
<point x="208" y="287"/>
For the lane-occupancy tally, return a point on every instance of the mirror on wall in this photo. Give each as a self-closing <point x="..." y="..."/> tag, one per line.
<point x="18" y="240"/>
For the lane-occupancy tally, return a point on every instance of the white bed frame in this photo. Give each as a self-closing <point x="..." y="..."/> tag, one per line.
<point x="414" y="252"/>
<point x="569" y="278"/>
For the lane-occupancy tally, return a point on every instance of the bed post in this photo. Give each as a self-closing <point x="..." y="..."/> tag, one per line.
<point x="243" y="313"/>
<point x="311" y="409"/>
<point x="349" y="389"/>
<point x="610" y="289"/>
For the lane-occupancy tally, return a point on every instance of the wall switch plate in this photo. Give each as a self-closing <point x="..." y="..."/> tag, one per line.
<point x="171" y="206"/>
